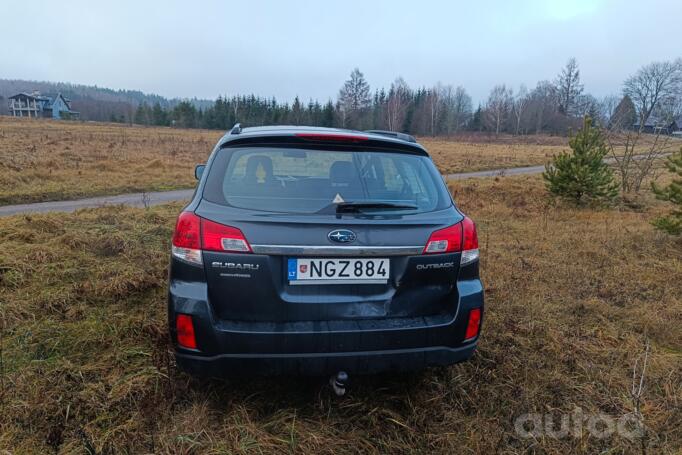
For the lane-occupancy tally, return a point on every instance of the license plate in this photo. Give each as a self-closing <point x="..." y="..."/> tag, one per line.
<point x="338" y="271"/>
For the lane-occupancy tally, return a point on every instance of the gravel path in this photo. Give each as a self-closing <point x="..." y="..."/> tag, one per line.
<point x="132" y="199"/>
<point x="162" y="197"/>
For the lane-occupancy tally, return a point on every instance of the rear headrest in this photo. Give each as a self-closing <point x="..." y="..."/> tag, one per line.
<point x="254" y="162"/>
<point x="342" y="173"/>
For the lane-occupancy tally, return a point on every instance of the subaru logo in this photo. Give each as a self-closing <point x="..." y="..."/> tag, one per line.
<point x="342" y="236"/>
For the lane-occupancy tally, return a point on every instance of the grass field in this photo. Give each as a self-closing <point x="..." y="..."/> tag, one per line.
<point x="44" y="160"/>
<point x="474" y="155"/>
<point x="573" y="295"/>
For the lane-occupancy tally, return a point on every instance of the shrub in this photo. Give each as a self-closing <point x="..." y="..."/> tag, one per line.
<point x="672" y="223"/>
<point x="581" y="175"/>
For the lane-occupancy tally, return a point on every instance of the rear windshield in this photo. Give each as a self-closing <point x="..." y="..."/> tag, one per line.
<point x="289" y="180"/>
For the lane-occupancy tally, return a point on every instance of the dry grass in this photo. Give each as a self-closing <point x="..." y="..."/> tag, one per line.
<point x="44" y="160"/>
<point x="457" y="156"/>
<point x="476" y="152"/>
<point x="571" y="297"/>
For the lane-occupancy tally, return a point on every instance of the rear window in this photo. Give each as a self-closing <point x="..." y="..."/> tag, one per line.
<point x="288" y="180"/>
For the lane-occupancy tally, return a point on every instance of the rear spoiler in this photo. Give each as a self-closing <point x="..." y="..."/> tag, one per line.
<point x="332" y="140"/>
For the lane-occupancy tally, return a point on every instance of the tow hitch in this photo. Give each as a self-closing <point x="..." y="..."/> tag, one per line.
<point x="339" y="381"/>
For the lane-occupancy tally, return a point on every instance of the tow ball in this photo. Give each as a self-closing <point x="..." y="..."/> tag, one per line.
<point x="339" y="382"/>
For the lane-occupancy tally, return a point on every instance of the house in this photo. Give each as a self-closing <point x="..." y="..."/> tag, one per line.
<point x="45" y="106"/>
<point x="657" y="125"/>
<point x="653" y="125"/>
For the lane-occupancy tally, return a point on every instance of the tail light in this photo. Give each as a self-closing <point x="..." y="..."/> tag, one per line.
<point x="473" y="325"/>
<point x="185" y="330"/>
<point x="194" y="234"/>
<point x="187" y="238"/>
<point x="469" y="242"/>
<point x="448" y="240"/>
<point x="460" y="237"/>
<point x="218" y="237"/>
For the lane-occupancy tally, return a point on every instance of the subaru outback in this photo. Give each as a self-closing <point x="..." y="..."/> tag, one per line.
<point x="314" y="250"/>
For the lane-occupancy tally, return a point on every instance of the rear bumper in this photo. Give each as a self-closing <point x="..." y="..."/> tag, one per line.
<point x="366" y="362"/>
<point x="228" y="348"/>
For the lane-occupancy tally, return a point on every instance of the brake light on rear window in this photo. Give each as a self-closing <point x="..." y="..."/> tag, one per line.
<point x="460" y="237"/>
<point x="218" y="237"/>
<point x="332" y="137"/>
<point x="473" y="325"/>
<point x="185" y="330"/>
<point x="194" y="234"/>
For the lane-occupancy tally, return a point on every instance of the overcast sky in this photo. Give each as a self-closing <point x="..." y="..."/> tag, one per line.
<point x="308" y="48"/>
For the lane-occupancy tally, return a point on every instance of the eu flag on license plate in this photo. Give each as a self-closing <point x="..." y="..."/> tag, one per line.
<point x="292" y="269"/>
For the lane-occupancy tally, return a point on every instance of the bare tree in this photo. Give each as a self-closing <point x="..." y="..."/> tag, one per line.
<point x="434" y="100"/>
<point x="653" y="84"/>
<point x="498" y="107"/>
<point x="670" y="108"/>
<point x="457" y="107"/>
<point x="637" y="152"/>
<point x="398" y="102"/>
<point x="607" y="108"/>
<point x="569" y="87"/>
<point x="462" y="108"/>
<point x="340" y="115"/>
<point x="587" y="104"/>
<point x="520" y="105"/>
<point x="542" y="106"/>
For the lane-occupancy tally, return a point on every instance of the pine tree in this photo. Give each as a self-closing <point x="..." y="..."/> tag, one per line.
<point x="569" y="87"/>
<point x="297" y="112"/>
<point x="672" y="224"/>
<point x="159" y="115"/>
<point x="582" y="176"/>
<point x="624" y="116"/>
<point x="328" y="114"/>
<point x="476" y="123"/>
<point x="185" y="115"/>
<point x="355" y="99"/>
<point x="142" y="114"/>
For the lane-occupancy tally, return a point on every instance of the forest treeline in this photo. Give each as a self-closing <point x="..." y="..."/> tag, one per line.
<point x="554" y="107"/>
<point x="652" y="95"/>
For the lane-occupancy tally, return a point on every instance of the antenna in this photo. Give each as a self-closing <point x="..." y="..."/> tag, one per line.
<point x="236" y="129"/>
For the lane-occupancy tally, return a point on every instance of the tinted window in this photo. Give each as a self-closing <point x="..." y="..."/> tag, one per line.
<point x="307" y="181"/>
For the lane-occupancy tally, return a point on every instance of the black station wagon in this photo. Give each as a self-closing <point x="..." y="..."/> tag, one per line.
<point x="315" y="251"/>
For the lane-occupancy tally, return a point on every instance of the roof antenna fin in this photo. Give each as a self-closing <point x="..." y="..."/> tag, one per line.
<point x="236" y="129"/>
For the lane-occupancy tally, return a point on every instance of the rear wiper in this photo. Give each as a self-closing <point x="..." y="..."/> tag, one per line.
<point x="349" y="207"/>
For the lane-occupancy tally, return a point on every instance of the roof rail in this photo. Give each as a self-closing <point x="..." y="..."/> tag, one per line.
<point x="236" y="129"/>
<point x="401" y="136"/>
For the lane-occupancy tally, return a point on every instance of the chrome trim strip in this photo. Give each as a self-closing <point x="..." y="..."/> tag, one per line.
<point x="322" y="250"/>
<point x="303" y="282"/>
